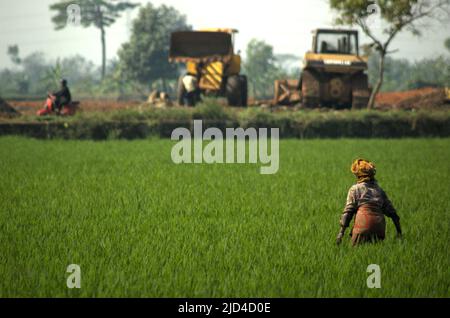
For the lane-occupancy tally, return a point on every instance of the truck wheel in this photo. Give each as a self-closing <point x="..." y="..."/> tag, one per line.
<point x="360" y="91"/>
<point x="233" y="90"/>
<point x="181" y="91"/>
<point x="310" y="90"/>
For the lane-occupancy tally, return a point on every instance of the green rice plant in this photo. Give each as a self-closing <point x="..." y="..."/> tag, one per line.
<point x="140" y="226"/>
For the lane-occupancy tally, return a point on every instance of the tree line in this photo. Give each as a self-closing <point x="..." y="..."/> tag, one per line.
<point x="142" y="63"/>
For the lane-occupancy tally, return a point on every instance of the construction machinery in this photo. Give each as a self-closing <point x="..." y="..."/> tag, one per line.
<point x="333" y="74"/>
<point x="212" y="66"/>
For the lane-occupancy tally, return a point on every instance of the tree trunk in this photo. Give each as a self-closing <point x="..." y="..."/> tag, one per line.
<point x="254" y="90"/>
<point x="102" y="30"/>
<point x="121" y="88"/>
<point x="379" y="83"/>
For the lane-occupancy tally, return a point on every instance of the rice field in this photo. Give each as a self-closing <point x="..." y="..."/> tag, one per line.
<point x="140" y="226"/>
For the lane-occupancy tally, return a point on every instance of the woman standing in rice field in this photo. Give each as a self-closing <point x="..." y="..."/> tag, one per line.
<point x="370" y="203"/>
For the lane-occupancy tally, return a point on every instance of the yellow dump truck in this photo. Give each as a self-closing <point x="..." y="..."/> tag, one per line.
<point x="334" y="73"/>
<point x="212" y="67"/>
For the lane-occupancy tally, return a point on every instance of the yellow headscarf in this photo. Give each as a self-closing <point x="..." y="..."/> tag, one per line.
<point x="364" y="170"/>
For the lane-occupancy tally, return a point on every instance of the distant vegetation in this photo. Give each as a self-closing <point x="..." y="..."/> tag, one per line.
<point x="98" y="13"/>
<point x="36" y="74"/>
<point x="142" y="64"/>
<point x="402" y="74"/>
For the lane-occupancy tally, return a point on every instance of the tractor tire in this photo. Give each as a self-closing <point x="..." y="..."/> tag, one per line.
<point x="310" y="90"/>
<point x="181" y="91"/>
<point x="360" y="91"/>
<point x="234" y="90"/>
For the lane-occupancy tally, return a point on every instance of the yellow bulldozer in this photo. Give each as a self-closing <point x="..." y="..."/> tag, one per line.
<point x="212" y="67"/>
<point x="333" y="75"/>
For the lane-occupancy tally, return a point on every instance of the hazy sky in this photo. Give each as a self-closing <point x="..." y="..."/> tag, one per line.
<point x="285" y="24"/>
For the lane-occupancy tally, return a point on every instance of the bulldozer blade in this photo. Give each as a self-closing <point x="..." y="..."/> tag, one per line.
<point x="287" y="92"/>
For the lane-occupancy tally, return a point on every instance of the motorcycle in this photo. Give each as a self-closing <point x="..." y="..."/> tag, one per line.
<point x="50" y="108"/>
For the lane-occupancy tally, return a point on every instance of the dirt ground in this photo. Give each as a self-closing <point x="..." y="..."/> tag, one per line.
<point x="30" y="107"/>
<point x="413" y="99"/>
<point x="7" y="110"/>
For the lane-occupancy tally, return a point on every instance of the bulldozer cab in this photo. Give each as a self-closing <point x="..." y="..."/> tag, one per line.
<point x="329" y="41"/>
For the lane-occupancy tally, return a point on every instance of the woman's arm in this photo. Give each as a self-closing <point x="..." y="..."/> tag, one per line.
<point x="389" y="211"/>
<point x="347" y="215"/>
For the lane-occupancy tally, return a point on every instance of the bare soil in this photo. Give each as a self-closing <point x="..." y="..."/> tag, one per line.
<point x="414" y="99"/>
<point x="428" y="97"/>
<point x="30" y="107"/>
<point x="6" y="110"/>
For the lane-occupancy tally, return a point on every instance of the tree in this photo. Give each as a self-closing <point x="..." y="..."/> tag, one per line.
<point x="288" y="65"/>
<point x="145" y="57"/>
<point x="98" y="13"/>
<point x="13" y="52"/>
<point x="260" y="65"/>
<point x="398" y="15"/>
<point x="401" y="74"/>
<point x="447" y="44"/>
<point x="53" y="75"/>
<point x="35" y="66"/>
<point x="78" y="69"/>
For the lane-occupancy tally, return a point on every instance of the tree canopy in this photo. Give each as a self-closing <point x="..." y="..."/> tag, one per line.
<point x="145" y="56"/>
<point x="447" y="44"/>
<point x="260" y="66"/>
<point x="98" y="13"/>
